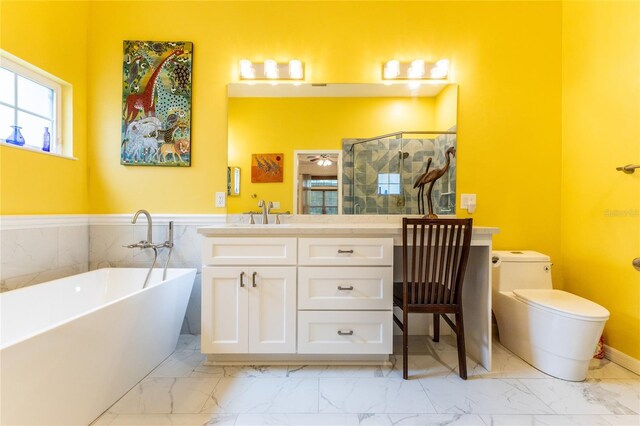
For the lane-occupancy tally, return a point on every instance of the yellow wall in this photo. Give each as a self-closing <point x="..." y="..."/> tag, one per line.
<point x="263" y="125"/>
<point x="51" y="36"/>
<point x="507" y="68"/>
<point x="600" y="131"/>
<point x="446" y="108"/>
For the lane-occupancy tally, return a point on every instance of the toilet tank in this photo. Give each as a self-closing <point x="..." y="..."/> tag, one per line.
<point x="519" y="269"/>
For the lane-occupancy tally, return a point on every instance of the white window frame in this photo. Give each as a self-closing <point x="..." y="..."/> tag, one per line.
<point x="388" y="184"/>
<point x="41" y="77"/>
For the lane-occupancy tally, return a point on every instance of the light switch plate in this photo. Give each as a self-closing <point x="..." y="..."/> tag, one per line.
<point x="220" y="199"/>
<point x="276" y="204"/>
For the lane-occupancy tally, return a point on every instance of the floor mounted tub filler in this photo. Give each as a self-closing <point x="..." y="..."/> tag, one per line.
<point x="70" y="348"/>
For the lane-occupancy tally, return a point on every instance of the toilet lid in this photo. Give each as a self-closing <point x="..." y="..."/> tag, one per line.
<point x="563" y="303"/>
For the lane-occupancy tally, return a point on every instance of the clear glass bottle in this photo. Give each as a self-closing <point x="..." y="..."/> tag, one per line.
<point x="15" y="137"/>
<point x="46" y="140"/>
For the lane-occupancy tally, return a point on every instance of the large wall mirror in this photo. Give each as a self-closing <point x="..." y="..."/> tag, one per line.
<point x="309" y="123"/>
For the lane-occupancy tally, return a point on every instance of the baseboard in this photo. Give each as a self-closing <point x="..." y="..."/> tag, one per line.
<point x="622" y="359"/>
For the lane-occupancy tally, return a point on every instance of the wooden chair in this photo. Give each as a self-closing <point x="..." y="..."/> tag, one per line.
<point x="434" y="259"/>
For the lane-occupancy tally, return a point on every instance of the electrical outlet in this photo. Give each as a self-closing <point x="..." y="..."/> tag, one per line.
<point x="468" y="201"/>
<point x="276" y="204"/>
<point x="220" y="199"/>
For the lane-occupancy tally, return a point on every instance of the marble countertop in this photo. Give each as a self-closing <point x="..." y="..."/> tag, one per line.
<point x="339" y="227"/>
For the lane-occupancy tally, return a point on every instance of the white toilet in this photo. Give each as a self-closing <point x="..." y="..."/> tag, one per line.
<point x="555" y="331"/>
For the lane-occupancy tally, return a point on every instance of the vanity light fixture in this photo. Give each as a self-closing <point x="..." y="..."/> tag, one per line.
<point x="271" y="70"/>
<point x="415" y="70"/>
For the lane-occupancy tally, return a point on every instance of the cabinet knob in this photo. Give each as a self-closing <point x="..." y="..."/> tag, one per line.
<point x="241" y="279"/>
<point x="345" y="251"/>
<point x="345" y="333"/>
<point x="345" y="288"/>
<point x="253" y="279"/>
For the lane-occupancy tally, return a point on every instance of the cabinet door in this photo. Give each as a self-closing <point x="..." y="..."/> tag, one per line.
<point x="225" y="302"/>
<point x="272" y="309"/>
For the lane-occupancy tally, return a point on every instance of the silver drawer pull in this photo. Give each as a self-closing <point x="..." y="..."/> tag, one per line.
<point x="345" y="333"/>
<point x="345" y="251"/>
<point x="345" y="288"/>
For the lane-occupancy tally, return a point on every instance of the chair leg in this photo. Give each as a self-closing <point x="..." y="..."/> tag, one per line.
<point x="436" y="327"/>
<point x="462" y="353"/>
<point x="405" y="345"/>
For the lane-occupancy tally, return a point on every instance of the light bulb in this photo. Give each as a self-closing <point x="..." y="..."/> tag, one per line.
<point x="270" y="68"/>
<point x="441" y="70"/>
<point x="246" y="69"/>
<point x="295" y="69"/>
<point x="392" y="69"/>
<point x="416" y="70"/>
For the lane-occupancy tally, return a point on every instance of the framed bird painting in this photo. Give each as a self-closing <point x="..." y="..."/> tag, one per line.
<point x="156" y="103"/>
<point x="266" y="168"/>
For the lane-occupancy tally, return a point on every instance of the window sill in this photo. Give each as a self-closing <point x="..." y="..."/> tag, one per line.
<point x="36" y="150"/>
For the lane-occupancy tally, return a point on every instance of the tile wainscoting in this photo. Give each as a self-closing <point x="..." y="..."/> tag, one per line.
<point x="36" y="249"/>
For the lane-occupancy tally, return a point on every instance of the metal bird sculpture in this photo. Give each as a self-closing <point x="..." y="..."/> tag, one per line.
<point x="430" y="177"/>
<point x="420" y="186"/>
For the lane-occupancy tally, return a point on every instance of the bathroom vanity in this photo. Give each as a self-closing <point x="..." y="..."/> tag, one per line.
<point x="319" y="291"/>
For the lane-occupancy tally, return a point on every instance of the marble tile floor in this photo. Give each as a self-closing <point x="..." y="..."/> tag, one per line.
<point x="184" y="391"/>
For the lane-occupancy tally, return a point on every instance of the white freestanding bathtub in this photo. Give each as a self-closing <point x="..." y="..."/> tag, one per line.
<point x="70" y="348"/>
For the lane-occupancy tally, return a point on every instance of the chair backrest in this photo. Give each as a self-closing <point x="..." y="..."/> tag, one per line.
<point x="435" y="253"/>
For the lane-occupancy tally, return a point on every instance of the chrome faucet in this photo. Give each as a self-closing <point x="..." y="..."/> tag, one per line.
<point x="266" y="207"/>
<point x="149" y="225"/>
<point x="149" y="244"/>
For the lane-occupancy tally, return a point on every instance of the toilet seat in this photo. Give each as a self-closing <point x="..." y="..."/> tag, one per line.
<point x="562" y="303"/>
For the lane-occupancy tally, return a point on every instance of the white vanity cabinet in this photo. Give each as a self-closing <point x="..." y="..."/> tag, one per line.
<point x="334" y="303"/>
<point x="345" y="296"/>
<point x="248" y="307"/>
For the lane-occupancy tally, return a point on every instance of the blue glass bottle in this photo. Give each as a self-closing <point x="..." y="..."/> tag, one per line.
<point x="46" y="140"/>
<point x="15" y="137"/>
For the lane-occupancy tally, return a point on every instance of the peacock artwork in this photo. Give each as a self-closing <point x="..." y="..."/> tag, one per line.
<point x="266" y="168"/>
<point x="156" y="103"/>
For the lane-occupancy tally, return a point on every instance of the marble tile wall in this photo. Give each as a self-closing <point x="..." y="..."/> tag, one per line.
<point x="35" y="254"/>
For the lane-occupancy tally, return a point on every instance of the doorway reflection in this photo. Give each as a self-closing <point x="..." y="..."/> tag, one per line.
<point x="318" y="182"/>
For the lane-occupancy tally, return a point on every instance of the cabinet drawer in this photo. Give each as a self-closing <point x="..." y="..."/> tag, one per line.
<point x="345" y="332"/>
<point x="345" y="287"/>
<point x="346" y="251"/>
<point x="249" y="251"/>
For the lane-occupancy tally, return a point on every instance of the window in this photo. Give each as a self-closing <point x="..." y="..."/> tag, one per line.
<point x="31" y="101"/>
<point x="388" y="183"/>
<point x="321" y="195"/>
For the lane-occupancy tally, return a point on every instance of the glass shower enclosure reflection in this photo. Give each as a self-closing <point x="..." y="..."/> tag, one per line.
<point x="379" y="173"/>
